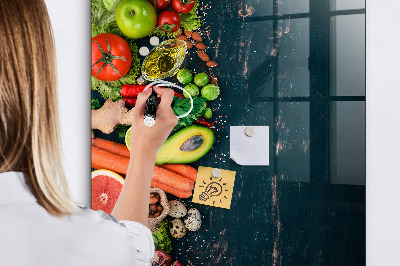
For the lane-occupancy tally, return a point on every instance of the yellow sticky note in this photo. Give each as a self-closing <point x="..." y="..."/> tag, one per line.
<point x="213" y="191"/>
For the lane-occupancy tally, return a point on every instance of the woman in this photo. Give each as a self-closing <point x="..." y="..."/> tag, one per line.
<point x="40" y="224"/>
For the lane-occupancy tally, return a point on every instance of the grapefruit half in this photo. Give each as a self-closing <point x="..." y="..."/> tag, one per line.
<point x="106" y="187"/>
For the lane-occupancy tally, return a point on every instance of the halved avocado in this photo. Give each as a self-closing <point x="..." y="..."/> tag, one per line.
<point x="186" y="146"/>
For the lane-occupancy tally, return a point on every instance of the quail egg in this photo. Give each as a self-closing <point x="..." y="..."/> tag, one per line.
<point x="193" y="220"/>
<point x="177" y="228"/>
<point x="177" y="209"/>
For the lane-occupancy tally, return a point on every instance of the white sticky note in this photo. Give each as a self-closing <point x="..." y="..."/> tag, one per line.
<point x="249" y="145"/>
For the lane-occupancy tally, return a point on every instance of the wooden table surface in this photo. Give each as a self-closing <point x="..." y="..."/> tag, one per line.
<point x="273" y="72"/>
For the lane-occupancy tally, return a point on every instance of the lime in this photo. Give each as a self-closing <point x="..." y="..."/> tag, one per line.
<point x="128" y="135"/>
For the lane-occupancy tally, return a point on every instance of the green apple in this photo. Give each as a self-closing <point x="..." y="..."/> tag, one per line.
<point x="136" y="18"/>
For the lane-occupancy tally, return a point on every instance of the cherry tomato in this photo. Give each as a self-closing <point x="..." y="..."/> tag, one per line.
<point x="160" y="4"/>
<point x="169" y="17"/>
<point x="111" y="57"/>
<point x="183" y="6"/>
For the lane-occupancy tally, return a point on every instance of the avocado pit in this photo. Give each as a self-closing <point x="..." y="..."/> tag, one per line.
<point x="192" y="143"/>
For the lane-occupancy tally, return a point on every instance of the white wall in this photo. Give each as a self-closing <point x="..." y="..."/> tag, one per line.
<point x="71" y="23"/>
<point x="383" y="132"/>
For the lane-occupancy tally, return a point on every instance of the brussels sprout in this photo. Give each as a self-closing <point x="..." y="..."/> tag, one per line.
<point x="184" y="76"/>
<point x="192" y="89"/>
<point x="210" y="92"/>
<point x="201" y="79"/>
<point x="207" y="113"/>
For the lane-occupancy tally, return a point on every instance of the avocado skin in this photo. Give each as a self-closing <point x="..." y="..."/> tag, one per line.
<point x="170" y="152"/>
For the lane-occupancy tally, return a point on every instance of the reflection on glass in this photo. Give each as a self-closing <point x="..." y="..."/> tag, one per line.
<point x="348" y="55"/>
<point x="294" y="50"/>
<point x="257" y="59"/>
<point x="348" y="143"/>
<point x="293" y="6"/>
<point x="255" y="8"/>
<point x="293" y="146"/>
<point x="347" y="4"/>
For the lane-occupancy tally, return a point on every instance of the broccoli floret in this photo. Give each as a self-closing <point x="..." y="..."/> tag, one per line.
<point x="162" y="238"/>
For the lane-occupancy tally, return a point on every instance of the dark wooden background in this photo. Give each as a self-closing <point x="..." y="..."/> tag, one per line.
<point x="287" y="213"/>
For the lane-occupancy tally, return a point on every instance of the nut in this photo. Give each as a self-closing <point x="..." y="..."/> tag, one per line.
<point x="153" y="207"/>
<point x="203" y="56"/>
<point x="188" y="33"/>
<point x="189" y="44"/>
<point x="182" y="37"/>
<point x="212" y="63"/>
<point x="213" y="80"/>
<point x="197" y="37"/>
<point x="200" y="45"/>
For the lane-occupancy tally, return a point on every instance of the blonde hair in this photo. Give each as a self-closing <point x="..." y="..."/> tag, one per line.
<point x="29" y="122"/>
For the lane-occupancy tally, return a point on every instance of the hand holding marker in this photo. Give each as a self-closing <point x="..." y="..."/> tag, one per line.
<point x="149" y="118"/>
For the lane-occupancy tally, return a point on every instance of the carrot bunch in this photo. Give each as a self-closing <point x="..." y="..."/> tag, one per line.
<point x="176" y="179"/>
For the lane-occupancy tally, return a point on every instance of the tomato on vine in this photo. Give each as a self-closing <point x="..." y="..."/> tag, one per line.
<point x="183" y="6"/>
<point x="160" y="4"/>
<point x="169" y="20"/>
<point x="111" y="57"/>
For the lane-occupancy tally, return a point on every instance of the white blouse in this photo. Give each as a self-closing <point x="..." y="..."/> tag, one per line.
<point x="31" y="236"/>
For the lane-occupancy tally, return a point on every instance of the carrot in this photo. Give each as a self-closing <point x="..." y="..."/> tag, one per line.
<point x="172" y="179"/>
<point x="171" y="190"/>
<point x="102" y="159"/>
<point x="182" y="169"/>
<point x="111" y="146"/>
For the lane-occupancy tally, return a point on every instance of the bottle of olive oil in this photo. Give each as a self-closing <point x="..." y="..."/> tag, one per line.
<point x="163" y="61"/>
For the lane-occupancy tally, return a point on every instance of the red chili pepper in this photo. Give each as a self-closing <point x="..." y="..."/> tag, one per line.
<point x="178" y="94"/>
<point x="130" y="102"/>
<point x="201" y="121"/>
<point x="131" y="90"/>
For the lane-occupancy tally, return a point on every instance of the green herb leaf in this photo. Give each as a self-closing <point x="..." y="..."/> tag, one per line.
<point x="182" y="105"/>
<point x="121" y="130"/>
<point x="95" y="104"/>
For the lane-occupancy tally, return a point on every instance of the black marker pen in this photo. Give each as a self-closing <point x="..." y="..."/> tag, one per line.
<point x="150" y="110"/>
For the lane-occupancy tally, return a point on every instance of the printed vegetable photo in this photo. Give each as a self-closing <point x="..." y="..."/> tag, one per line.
<point x="237" y="63"/>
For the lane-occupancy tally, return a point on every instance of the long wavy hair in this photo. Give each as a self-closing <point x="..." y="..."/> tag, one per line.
<point x="29" y="118"/>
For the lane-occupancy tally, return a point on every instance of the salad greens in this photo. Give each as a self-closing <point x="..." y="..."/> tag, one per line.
<point x="181" y="105"/>
<point x="190" y="20"/>
<point x="104" y="21"/>
<point x="162" y="238"/>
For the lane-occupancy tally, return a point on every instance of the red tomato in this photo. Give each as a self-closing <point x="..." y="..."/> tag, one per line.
<point x="111" y="57"/>
<point x="183" y="6"/>
<point x="160" y="4"/>
<point x="169" y="17"/>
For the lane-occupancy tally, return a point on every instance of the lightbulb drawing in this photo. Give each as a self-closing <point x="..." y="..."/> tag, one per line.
<point x="212" y="190"/>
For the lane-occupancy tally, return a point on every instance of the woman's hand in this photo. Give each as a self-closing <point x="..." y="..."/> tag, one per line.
<point x="134" y="199"/>
<point x="148" y="140"/>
